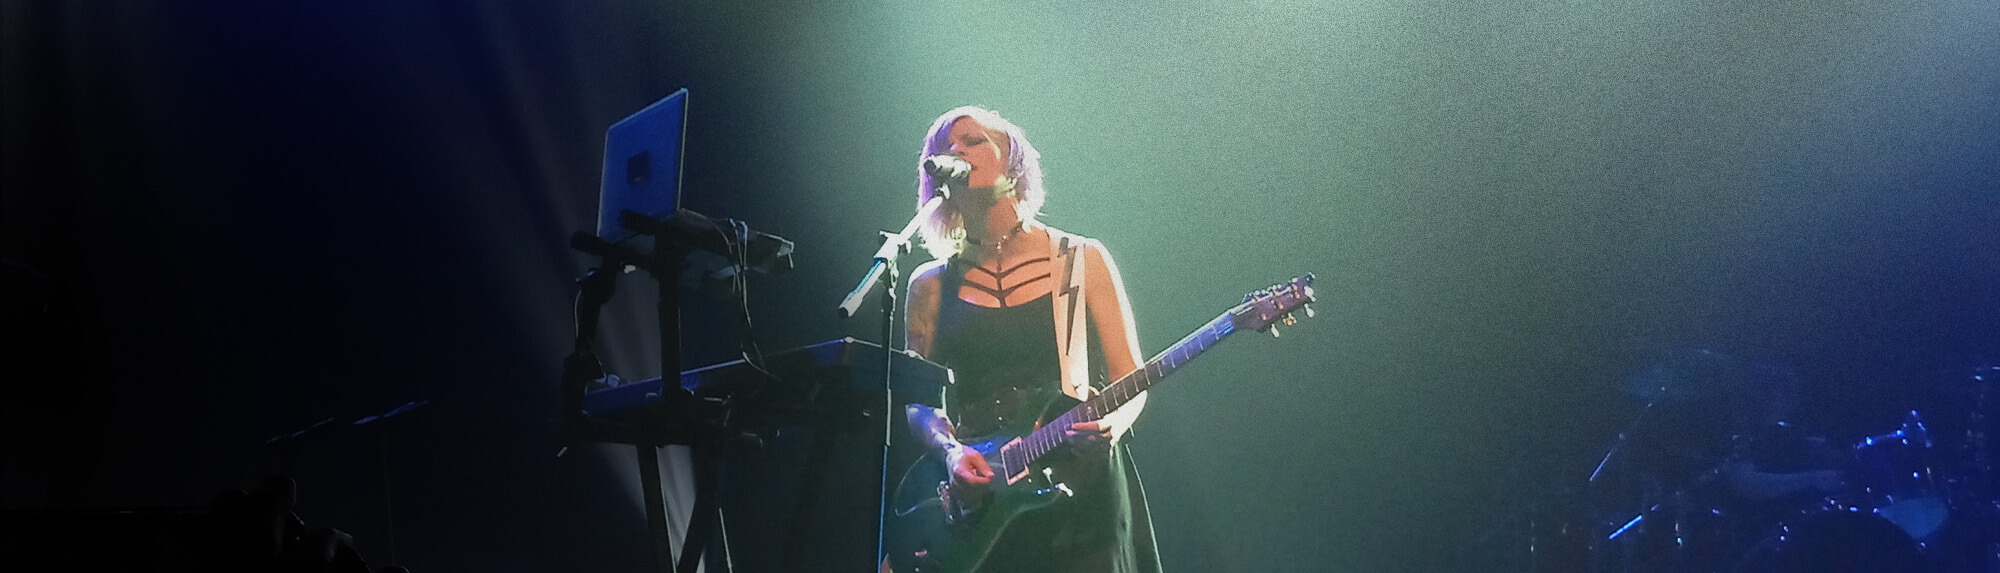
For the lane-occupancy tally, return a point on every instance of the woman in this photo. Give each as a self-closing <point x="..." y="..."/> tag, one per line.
<point x="1012" y="306"/>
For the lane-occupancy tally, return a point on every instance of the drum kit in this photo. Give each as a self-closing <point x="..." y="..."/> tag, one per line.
<point x="1669" y="495"/>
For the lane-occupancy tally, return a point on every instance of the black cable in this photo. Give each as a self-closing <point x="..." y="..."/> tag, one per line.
<point x="735" y="243"/>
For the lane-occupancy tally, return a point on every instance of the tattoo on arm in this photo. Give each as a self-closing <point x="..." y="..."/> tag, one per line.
<point x="931" y="426"/>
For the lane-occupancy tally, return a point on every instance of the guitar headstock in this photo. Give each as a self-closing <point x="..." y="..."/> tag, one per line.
<point x="1262" y="310"/>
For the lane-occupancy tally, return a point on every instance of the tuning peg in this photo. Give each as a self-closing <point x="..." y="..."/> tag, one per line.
<point x="1309" y="310"/>
<point x="1290" y="320"/>
<point x="1273" y="329"/>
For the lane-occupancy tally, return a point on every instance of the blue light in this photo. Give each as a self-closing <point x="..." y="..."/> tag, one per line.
<point x="1628" y="525"/>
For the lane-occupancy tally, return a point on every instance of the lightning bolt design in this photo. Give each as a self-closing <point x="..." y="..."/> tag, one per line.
<point x="1071" y="287"/>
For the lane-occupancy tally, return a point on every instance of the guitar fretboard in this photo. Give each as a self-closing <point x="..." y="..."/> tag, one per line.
<point x="1117" y="394"/>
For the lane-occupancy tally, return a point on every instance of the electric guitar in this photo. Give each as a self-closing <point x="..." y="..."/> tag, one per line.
<point x="939" y="527"/>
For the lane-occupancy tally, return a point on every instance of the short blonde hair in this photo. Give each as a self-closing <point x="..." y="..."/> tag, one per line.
<point x="944" y="233"/>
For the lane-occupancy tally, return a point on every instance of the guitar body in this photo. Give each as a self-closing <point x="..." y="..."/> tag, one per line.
<point x="937" y="527"/>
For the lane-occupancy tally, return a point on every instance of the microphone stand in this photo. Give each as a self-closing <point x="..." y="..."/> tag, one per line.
<point x="884" y="271"/>
<point x="885" y="257"/>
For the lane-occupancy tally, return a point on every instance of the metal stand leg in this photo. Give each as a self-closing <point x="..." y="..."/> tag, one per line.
<point x="656" y="507"/>
<point x="706" y="518"/>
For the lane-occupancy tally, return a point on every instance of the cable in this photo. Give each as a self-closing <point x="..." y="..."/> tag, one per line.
<point x="735" y="242"/>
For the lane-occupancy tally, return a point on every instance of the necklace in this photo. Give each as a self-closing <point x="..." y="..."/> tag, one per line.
<point x="1000" y="244"/>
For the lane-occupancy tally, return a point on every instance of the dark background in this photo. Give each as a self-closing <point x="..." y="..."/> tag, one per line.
<point x="226" y="221"/>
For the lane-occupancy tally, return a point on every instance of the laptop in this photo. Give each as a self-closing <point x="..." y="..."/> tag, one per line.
<point x="642" y="165"/>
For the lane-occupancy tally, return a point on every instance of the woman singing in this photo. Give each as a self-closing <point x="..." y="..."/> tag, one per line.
<point x="1014" y="307"/>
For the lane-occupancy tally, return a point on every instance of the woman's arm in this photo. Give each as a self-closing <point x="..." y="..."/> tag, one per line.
<point x="1116" y="332"/>
<point x="920" y="307"/>
<point x="933" y="428"/>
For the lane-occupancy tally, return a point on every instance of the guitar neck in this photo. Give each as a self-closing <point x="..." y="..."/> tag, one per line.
<point x="1119" y="393"/>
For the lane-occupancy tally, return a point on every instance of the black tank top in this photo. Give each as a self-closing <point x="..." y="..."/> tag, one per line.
<point x="1003" y="360"/>
<point x="1006" y="368"/>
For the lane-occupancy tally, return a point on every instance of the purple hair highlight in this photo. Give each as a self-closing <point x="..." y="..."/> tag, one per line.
<point x="944" y="233"/>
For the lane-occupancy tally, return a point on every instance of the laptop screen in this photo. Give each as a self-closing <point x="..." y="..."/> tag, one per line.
<point x="642" y="165"/>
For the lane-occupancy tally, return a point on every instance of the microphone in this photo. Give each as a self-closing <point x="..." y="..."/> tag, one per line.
<point x="948" y="167"/>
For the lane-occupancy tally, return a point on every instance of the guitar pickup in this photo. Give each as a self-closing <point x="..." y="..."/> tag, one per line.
<point x="1012" y="463"/>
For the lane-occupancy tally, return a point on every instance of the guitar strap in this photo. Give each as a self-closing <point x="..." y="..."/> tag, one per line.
<point x="1072" y="343"/>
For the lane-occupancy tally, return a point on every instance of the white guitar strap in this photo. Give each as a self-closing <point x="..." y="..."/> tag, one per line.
<point x="1072" y="343"/>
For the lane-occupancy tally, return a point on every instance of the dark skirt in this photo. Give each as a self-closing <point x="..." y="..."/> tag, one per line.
<point x="1104" y="528"/>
